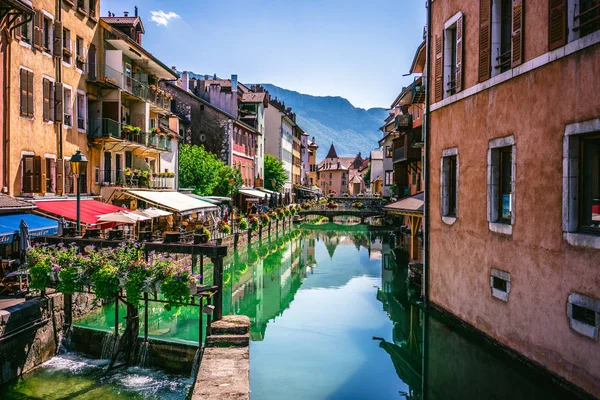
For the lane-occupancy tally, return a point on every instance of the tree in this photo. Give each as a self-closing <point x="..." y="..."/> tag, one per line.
<point x="367" y="176"/>
<point x="225" y="187"/>
<point x="274" y="171"/>
<point x="199" y="169"/>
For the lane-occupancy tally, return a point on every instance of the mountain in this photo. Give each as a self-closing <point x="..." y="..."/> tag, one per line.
<point x="333" y="120"/>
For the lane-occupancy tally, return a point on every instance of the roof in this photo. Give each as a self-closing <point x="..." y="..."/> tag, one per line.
<point x="121" y="21"/>
<point x="38" y="226"/>
<point x="408" y="205"/>
<point x="418" y="64"/>
<point x="8" y="203"/>
<point x="332" y="153"/>
<point x="90" y="209"/>
<point x="252" y="97"/>
<point x="173" y="201"/>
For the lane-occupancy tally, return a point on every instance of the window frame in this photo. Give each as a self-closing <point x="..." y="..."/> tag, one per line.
<point x="67" y="106"/>
<point x="495" y="223"/>
<point x="503" y="276"/>
<point x="571" y="184"/>
<point x="79" y="109"/>
<point x="448" y="214"/>
<point x="581" y="228"/>
<point x="79" y="52"/>
<point x="51" y="99"/>
<point x="67" y="47"/>
<point x="588" y="303"/>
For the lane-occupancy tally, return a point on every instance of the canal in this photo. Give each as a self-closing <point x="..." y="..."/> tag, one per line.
<point x="332" y="318"/>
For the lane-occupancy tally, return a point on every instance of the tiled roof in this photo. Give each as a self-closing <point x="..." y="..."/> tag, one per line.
<point x="253" y="97"/>
<point x="121" y="20"/>
<point x="7" y="202"/>
<point x="332" y="153"/>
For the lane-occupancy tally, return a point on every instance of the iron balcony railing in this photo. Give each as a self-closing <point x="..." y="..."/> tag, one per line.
<point x="135" y="87"/>
<point x="109" y="128"/>
<point x="118" y="177"/>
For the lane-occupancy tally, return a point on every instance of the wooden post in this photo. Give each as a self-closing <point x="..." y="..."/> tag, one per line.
<point x="200" y="326"/>
<point x="145" y="317"/>
<point x="218" y="281"/>
<point x="414" y="222"/>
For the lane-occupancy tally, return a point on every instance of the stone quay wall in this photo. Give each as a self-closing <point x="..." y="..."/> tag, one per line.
<point x="31" y="332"/>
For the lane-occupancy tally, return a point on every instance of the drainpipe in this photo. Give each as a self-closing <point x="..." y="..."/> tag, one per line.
<point x="426" y="140"/>
<point x="426" y="217"/>
<point x="6" y="111"/>
<point x="58" y="72"/>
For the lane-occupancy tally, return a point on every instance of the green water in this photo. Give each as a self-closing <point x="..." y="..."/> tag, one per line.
<point x="74" y="377"/>
<point x="332" y="318"/>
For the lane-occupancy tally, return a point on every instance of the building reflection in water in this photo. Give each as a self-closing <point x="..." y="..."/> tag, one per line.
<point x="438" y="359"/>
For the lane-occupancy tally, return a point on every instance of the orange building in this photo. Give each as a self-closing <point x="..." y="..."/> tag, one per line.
<point x="515" y="176"/>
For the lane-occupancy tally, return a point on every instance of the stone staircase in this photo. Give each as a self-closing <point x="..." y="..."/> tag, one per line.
<point x="225" y="368"/>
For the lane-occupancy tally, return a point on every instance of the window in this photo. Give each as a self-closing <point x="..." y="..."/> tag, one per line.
<point x="584" y="314"/>
<point x="80" y="59"/>
<point x="92" y="11"/>
<point x="50" y="175"/>
<point x="500" y="36"/>
<point x="47" y="100"/>
<point x="589" y="183"/>
<point x="81" y="114"/>
<point x="31" y="174"/>
<point x="81" y="5"/>
<point x="46" y="33"/>
<point x="388" y="152"/>
<point x="500" y="284"/>
<point x="450" y="60"/>
<point x="26" y="93"/>
<point x="68" y="106"/>
<point x="588" y="19"/>
<point x="389" y="178"/>
<point x="501" y="184"/>
<point x="25" y="31"/>
<point x="67" y="46"/>
<point x="449" y="184"/>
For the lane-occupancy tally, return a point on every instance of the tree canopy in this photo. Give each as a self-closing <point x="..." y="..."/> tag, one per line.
<point x="274" y="171"/>
<point x="205" y="173"/>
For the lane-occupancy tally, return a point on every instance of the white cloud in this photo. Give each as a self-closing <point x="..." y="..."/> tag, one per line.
<point x="163" y="18"/>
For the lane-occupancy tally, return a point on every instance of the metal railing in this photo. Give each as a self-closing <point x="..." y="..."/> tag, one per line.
<point x="135" y="87"/>
<point x="106" y="127"/>
<point x="118" y="177"/>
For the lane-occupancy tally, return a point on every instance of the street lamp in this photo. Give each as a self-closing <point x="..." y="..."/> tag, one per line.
<point x="78" y="166"/>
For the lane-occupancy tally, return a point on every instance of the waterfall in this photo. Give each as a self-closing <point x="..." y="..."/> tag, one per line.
<point x="109" y="344"/>
<point x="196" y="365"/>
<point x="142" y="357"/>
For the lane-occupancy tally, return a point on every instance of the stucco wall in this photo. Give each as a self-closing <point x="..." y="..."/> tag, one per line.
<point x="534" y="107"/>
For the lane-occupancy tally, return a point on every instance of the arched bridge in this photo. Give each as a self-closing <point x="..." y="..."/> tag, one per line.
<point x="331" y="213"/>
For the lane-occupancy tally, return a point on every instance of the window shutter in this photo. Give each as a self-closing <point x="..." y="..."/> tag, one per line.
<point x="517" y="33"/>
<point x="30" y="94"/>
<point x="46" y="100"/>
<point x="57" y="48"/>
<point x="27" y="174"/>
<point x="557" y="24"/>
<point x="485" y="39"/>
<point x="37" y="174"/>
<point x="59" y="176"/>
<point x="58" y="102"/>
<point x="18" y="31"/>
<point x="459" y="53"/>
<point x="438" y="68"/>
<point x="37" y="29"/>
<point x="24" y="92"/>
<point x="92" y="62"/>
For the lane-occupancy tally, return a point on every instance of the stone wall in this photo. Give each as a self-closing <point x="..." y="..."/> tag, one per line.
<point x="31" y="332"/>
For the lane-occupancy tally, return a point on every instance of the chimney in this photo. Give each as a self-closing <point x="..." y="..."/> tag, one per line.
<point x="126" y="13"/>
<point x="109" y="13"/>
<point x="185" y="81"/>
<point x="174" y="68"/>
<point x="234" y="83"/>
<point x="205" y="77"/>
<point x="135" y="11"/>
<point x="215" y="77"/>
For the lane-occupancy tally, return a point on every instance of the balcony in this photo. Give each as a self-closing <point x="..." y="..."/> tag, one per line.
<point x="112" y="177"/>
<point x="404" y="149"/>
<point x="106" y="128"/>
<point x="403" y="122"/>
<point x="136" y="88"/>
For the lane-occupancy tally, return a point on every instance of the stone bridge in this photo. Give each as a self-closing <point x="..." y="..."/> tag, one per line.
<point x="331" y="213"/>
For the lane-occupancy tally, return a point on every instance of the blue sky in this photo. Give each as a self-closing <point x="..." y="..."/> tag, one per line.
<point x="355" y="49"/>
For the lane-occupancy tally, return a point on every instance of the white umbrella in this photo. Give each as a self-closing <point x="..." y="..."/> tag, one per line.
<point x="123" y="217"/>
<point x="156" y="212"/>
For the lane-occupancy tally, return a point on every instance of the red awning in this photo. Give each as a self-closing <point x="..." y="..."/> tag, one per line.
<point x="90" y="209"/>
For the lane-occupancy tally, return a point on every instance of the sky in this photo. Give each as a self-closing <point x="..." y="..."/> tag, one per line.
<point x="359" y="50"/>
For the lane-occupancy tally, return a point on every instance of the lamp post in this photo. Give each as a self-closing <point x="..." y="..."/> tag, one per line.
<point x="78" y="166"/>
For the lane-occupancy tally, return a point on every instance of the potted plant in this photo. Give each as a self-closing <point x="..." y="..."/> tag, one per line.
<point x="243" y="224"/>
<point x="264" y="218"/>
<point x="201" y="236"/>
<point x="254" y="223"/>
<point x="106" y="282"/>
<point x="177" y="285"/>
<point x="224" y="227"/>
<point x="128" y="171"/>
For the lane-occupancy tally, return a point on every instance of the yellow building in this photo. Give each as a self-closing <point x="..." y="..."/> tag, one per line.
<point x="296" y="154"/>
<point x="312" y="161"/>
<point x="46" y="96"/>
